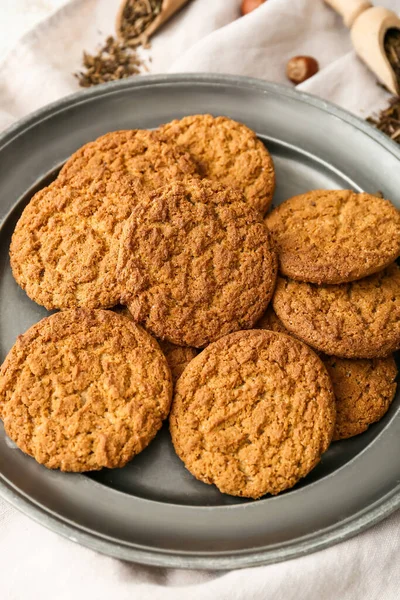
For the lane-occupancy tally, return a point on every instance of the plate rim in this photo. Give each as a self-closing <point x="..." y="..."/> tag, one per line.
<point x="111" y="87"/>
<point x="228" y="559"/>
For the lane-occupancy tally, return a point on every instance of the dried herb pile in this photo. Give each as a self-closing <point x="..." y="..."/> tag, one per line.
<point x="391" y="45"/>
<point x="388" y="120"/>
<point x="136" y="17"/>
<point x="118" y="58"/>
<point x="115" y="60"/>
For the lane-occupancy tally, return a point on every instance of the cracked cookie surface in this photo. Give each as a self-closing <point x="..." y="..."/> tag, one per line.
<point x="228" y="152"/>
<point x="352" y="320"/>
<point x="334" y="236"/>
<point x="196" y="263"/>
<point x="363" y="388"/>
<point x="140" y="153"/>
<point x="253" y="413"/>
<point x="82" y="390"/>
<point x="178" y="357"/>
<point x="64" y="249"/>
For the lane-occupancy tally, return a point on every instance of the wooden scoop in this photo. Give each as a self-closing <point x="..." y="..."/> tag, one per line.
<point x="168" y="8"/>
<point x="368" y="25"/>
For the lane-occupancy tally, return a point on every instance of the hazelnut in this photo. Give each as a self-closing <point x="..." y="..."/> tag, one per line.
<point x="249" y="5"/>
<point x="300" y="68"/>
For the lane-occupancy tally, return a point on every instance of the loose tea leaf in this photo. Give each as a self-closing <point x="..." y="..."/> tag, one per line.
<point x="388" y="120"/>
<point x="118" y="59"/>
<point x="392" y="49"/>
<point x="136" y="17"/>
<point x="115" y="60"/>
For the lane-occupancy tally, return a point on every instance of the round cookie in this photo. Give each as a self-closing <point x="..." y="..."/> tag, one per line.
<point x="196" y="263"/>
<point x="364" y="390"/>
<point x="178" y="357"/>
<point x="82" y="390"/>
<point x="253" y="413"/>
<point x="228" y="152"/>
<point x="334" y="236"/>
<point x="142" y="154"/>
<point x="353" y="320"/>
<point x="64" y="249"/>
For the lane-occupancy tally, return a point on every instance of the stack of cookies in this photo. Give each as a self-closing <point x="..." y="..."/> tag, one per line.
<point x="339" y="292"/>
<point x="170" y="230"/>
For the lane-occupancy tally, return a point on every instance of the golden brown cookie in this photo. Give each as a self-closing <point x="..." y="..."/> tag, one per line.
<point x="353" y="320"/>
<point x="228" y="152"/>
<point x="363" y="388"/>
<point x="196" y="263"/>
<point x="253" y="413"/>
<point x="142" y="154"/>
<point x="178" y="357"/>
<point x="64" y="248"/>
<point x="270" y="321"/>
<point x="82" y="390"/>
<point x="334" y="236"/>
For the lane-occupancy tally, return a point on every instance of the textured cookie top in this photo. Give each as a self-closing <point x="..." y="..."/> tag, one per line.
<point x="334" y="236"/>
<point x="270" y="321"/>
<point x="229" y="152"/>
<point x="178" y="357"/>
<point x="364" y="390"/>
<point x="196" y="263"/>
<point x="82" y="390"/>
<point x="253" y="413"/>
<point x="353" y="320"/>
<point x="64" y="248"/>
<point x="142" y="154"/>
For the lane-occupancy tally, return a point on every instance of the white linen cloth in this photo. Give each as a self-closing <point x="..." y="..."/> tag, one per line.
<point x="206" y="36"/>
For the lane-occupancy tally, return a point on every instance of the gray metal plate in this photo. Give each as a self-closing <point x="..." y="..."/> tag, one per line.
<point x="153" y="511"/>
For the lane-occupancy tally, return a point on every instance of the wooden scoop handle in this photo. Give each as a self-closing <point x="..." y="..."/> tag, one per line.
<point x="349" y="9"/>
<point x="368" y="37"/>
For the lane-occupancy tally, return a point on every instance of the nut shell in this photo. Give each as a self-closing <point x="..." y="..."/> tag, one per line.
<point x="301" y="68"/>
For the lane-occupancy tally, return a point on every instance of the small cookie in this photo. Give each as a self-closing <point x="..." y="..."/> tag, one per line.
<point x="228" y="152"/>
<point x="334" y="236"/>
<point x="363" y="388"/>
<point x="178" y="357"/>
<point x="82" y="390"/>
<point x="253" y="413"/>
<point x="64" y="249"/>
<point x="142" y="154"/>
<point x="353" y="320"/>
<point x="270" y="321"/>
<point x="196" y="263"/>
